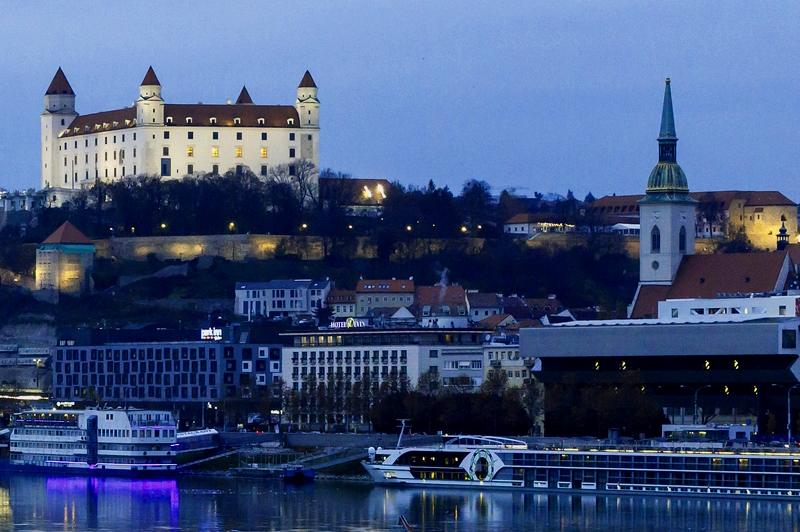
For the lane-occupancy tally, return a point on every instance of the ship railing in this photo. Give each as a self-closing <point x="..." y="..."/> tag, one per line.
<point x="711" y="447"/>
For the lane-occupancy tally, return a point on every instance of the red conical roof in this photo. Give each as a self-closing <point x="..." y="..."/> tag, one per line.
<point x="244" y="97"/>
<point x="150" y="78"/>
<point x="59" y="85"/>
<point x="67" y="234"/>
<point x="307" y="81"/>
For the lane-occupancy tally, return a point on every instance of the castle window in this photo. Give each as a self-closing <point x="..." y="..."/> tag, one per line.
<point x="655" y="240"/>
<point x="682" y="240"/>
<point x="115" y="139"/>
<point x="238" y="135"/>
<point x="264" y="169"/>
<point x="190" y="169"/>
<point x="76" y="144"/>
<point x="238" y="151"/>
<point x="213" y="120"/>
<point x="166" y="150"/>
<point x="115" y="155"/>
<point x="215" y="169"/>
<point x="291" y="136"/>
<point x="190" y="135"/>
<point x="134" y="151"/>
<point x="166" y="135"/>
<point x="190" y="152"/>
<point x="65" y="161"/>
<point x="215" y="135"/>
<point x="188" y="119"/>
<point x="215" y="152"/>
<point x="292" y="170"/>
<point x="105" y="156"/>
<point x="263" y="136"/>
<point x="62" y="121"/>
<point x="237" y="121"/>
<point x="134" y="136"/>
<point x="263" y="153"/>
<point x="95" y="141"/>
<point x="260" y="121"/>
<point x="309" y="137"/>
<point x="291" y="152"/>
<point x="105" y="140"/>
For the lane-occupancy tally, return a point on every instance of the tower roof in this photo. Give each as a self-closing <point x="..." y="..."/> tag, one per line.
<point x="59" y="85"/>
<point x="150" y="78"/>
<point x="667" y="116"/>
<point x="307" y="81"/>
<point x="244" y="97"/>
<point x="667" y="182"/>
<point x="67" y="234"/>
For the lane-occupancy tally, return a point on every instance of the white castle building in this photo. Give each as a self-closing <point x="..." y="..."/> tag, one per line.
<point x="172" y="140"/>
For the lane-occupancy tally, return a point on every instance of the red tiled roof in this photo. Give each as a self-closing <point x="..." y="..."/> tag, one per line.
<point x="387" y="286"/>
<point x="244" y="97"/>
<point x="496" y="319"/>
<point x="150" y="78"/>
<point x="67" y="234"/>
<point x="706" y="276"/>
<point x="248" y="115"/>
<point x="59" y="85"/>
<point x="647" y="301"/>
<point x="307" y="81"/>
<point x="483" y="300"/>
<point x="794" y="253"/>
<point x="341" y="296"/>
<point x="440" y="295"/>
<point x="107" y="121"/>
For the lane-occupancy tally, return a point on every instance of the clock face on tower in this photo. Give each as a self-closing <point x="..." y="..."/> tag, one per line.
<point x="655" y="265"/>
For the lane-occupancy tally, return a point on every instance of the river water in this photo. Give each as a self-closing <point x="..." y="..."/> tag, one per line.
<point x="59" y="503"/>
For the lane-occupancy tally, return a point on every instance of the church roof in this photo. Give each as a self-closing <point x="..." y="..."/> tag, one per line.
<point x="706" y="276"/>
<point x="244" y="97"/>
<point x="667" y="182"/>
<point x="59" y="85"/>
<point x="67" y="234"/>
<point x="150" y="78"/>
<point x="307" y="81"/>
<point x="667" y="116"/>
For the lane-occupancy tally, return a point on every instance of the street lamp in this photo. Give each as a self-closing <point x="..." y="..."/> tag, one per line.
<point x="695" y="390"/>
<point x="788" y="410"/>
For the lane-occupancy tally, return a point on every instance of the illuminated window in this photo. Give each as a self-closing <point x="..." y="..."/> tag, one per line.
<point x="215" y="151"/>
<point x="238" y="152"/>
<point x="263" y="153"/>
<point x="190" y="151"/>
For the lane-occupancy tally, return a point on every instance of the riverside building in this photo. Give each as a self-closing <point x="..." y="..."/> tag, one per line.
<point x="171" y="140"/>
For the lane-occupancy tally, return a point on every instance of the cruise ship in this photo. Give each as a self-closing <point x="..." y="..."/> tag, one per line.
<point x="95" y="442"/>
<point x="494" y="462"/>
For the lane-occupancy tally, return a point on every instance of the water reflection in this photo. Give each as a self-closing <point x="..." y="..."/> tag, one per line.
<point x="37" y="502"/>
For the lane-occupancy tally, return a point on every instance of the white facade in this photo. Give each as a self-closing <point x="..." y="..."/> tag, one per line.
<point x="280" y="297"/>
<point x="173" y="140"/>
<point x="725" y="309"/>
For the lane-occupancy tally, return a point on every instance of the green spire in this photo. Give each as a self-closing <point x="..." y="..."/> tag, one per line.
<point x="667" y="117"/>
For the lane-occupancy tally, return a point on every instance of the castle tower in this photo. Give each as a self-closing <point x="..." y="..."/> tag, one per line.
<point x="150" y="106"/>
<point x="667" y="212"/>
<point x="307" y="104"/>
<point x="244" y="97"/>
<point x="58" y="114"/>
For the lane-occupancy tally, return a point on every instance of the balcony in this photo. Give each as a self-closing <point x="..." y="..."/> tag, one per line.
<point x="393" y="360"/>
<point x="529" y="362"/>
<point x="303" y="361"/>
<point x="495" y="363"/>
<point x="294" y="361"/>
<point x="339" y="361"/>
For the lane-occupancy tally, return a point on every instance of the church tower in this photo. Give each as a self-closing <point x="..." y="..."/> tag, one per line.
<point x="58" y="114"/>
<point x="667" y="212"/>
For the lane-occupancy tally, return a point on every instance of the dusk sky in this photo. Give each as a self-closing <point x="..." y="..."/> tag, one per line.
<point x="537" y="96"/>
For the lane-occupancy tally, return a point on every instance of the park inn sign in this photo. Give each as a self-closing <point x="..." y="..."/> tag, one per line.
<point x="350" y="323"/>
